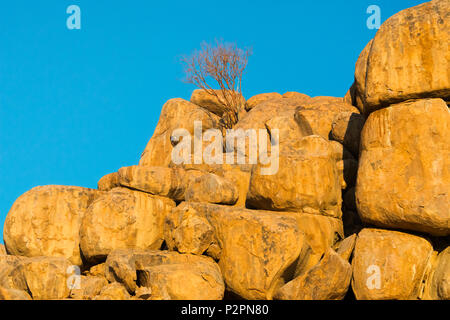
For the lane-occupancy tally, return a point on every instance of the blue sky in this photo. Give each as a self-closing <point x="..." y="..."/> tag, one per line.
<point x="78" y="104"/>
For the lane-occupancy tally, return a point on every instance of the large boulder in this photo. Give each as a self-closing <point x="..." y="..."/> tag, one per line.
<point x="46" y="278"/>
<point x="255" y="249"/>
<point x="259" y="98"/>
<point x="289" y="132"/>
<point x="389" y="265"/>
<point x="409" y="57"/>
<point x="307" y="180"/>
<point x="238" y="175"/>
<point x="315" y="117"/>
<point x="2" y="250"/>
<point x="45" y="221"/>
<point x="404" y="169"/>
<point x="168" y="275"/>
<point x="162" y="181"/>
<point x="123" y="219"/>
<point x="176" y="114"/>
<point x="183" y="281"/>
<point x="328" y="280"/>
<point x="211" y="188"/>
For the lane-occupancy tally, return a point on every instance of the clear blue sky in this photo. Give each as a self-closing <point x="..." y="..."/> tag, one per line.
<point x="78" y="104"/>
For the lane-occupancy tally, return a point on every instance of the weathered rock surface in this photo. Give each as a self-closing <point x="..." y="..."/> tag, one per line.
<point x="316" y="116"/>
<point x="97" y="271"/>
<point x="358" y="89"/>
<point x="13" y="294"/>
<point x="122" y="219"/>
<point x="389" y="265"/>
<point x="439" y="279"/>
<point x="409" y="57"/>
<point x="189" y="232"/>
<point x="255" y="248"/>
<point x="346" y="247"/>
<point x="289" y="132"/>
<point x="346" y="128"/>
<point x="108" y="182"/>
<point x="89" y="288"/>
<point x="296" y="95"/>
<point x="46" y="278"/>
<point x="113" y="291"/>
<point x="183" y="282"/>
<point x="11" y="276"/>
<point x="321" y="234"/>
<point x="45" y="221"/>
<point x="211" y="188"/>
<point x="259" y="98"/>
<point x="237" y="174"/>
<point x="328" y="280"/>
<point x="168" y="275"/>
<point x="162" y="181"/>
<point x="404" y="169"/>
<point x="175" y="114"/>
<point x="306" y="180"/>
<point x="2" y="250"/>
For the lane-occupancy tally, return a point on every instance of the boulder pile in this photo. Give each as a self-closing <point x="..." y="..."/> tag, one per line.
<point x="358" y="206"/>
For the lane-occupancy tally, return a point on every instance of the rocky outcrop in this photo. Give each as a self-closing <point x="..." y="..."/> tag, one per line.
<point x="296" y="215"/>
<point x="45" y="221"/>
<point x="254" y="248"/>
<point x="121" y="219"/>
<point x="404" y="169"/>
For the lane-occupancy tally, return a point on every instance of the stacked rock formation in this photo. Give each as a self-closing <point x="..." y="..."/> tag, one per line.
<point x="358" y="208"/>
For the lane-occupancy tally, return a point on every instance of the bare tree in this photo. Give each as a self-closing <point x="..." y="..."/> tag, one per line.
<point x="224" y="64"/>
